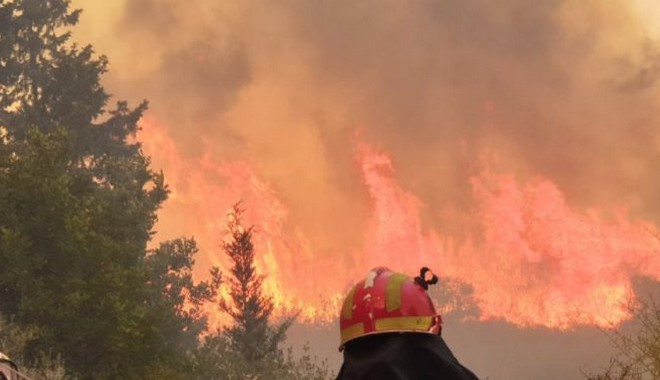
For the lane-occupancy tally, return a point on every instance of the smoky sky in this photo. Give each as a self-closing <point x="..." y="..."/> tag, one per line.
<point x="567" y="90"/>
<point x="508" y="76"/>
<point x="561" y="89"/>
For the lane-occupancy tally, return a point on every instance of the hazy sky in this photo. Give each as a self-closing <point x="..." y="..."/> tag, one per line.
<point x="342" y="123"/>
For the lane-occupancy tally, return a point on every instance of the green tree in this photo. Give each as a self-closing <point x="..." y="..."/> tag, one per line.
<point x="251" y="335"/>
<point x="78" y="203"/>
<point x="252" y="347"/>
<point x="176" y="315"/>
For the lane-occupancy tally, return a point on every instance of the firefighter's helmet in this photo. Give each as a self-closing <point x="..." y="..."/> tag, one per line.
<point x="386" y="302"/>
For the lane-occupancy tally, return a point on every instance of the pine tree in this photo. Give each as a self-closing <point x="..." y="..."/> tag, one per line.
<point x="251" y="336"/>
<point x="251" y="348"/>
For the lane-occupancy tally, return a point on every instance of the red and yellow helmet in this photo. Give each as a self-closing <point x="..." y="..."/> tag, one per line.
<point x="389" y="302"/>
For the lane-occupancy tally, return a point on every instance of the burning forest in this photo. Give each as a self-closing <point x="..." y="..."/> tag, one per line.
<point x="510" y="146"/>
<point x="528" y="257"/>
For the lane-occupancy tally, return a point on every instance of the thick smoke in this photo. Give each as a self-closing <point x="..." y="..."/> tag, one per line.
<point x="566" y="90"/>
<point x="562" y="89"/>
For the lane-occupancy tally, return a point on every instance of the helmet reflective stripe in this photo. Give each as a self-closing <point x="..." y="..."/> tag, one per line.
<point x="352" y="332"/>
<point x="347" y="308"/>
<point x="393" y="291"/>
<point x="404" y="324"/>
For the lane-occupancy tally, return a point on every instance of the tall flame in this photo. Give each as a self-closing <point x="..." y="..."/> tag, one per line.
<point x="394" y="235"/>
<point x="529" y="258"/>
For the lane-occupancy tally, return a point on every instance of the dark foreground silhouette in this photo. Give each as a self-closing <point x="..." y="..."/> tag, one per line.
<point x="401" y="356"/>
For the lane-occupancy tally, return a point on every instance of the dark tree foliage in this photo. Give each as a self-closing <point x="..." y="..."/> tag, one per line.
<point x="177" y="302"/>
<point x="78" y="202"/>
<point x="252" y="336"/>
<point x="47" y="83"/>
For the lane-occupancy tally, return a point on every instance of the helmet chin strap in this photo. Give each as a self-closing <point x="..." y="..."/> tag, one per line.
<point x="426" y="277"/>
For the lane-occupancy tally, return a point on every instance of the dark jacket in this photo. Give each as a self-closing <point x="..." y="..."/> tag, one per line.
<point x="401" y="356"/>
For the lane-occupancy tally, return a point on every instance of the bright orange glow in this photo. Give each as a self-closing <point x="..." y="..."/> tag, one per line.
<point x="203" y="190"/>
<point x="394" y="235"/>
<point x="529" y="258"/>
<point x="537" y="262"/>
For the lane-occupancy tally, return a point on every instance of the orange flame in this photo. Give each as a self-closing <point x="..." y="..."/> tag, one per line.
<point x="394" y="235"/>
<point x="537" y="262"/>
<point x="203" y="190"/>
<point x="530" y="259"/>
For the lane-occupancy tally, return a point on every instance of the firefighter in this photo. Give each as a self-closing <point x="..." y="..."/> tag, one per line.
<point x="390" y="330"/>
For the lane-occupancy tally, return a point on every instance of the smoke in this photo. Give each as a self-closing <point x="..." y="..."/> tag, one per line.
<point x="562" y="89"/>
<point x="562" y="93"/>
<point x="565" y="90"/>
